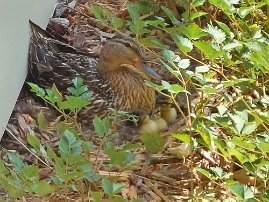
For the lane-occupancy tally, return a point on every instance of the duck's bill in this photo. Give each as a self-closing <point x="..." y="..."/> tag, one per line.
<point x="152" y="73"/>
<point x="144" y="70"/>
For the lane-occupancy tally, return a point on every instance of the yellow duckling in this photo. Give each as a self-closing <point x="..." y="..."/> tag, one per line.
<point x="168" y="113"/>
<point x="147" y="125"/>
<point x="159" y="120"/>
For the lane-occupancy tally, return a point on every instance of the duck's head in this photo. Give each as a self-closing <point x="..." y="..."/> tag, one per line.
<point x="124" y="55"/>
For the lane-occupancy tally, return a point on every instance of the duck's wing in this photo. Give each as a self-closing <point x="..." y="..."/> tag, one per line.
<point x="52" y="61"/>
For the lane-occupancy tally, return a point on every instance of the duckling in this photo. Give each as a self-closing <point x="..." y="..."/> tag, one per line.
<point x="116" y="78"/>
<point x="168" y="113"/>
<point x="159" y="120"/>
<point x="147" y="125"/>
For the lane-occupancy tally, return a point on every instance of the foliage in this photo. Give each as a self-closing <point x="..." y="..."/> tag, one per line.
<point x="220" y="53"/>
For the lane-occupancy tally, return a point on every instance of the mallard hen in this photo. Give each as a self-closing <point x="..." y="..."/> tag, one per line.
<point x="116" y="78"/>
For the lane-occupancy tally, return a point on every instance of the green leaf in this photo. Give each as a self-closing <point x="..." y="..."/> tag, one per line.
<point x="218" y="34"/>
<point x="153" y="142"/>
<point x="120" y="157"/>
<point x="264" y="146"/>
<point x="202" y="69"/>
<point x="101" y="126"/>
<point x="153" y="42"/>
<point x="40" y="92"/>
<point x="16" y="161"/>
<point x="192" y="31"/>
<point x="183" y="137"/>
<point x="34" y="142"/>
<point x="116" y="22"/>
<point x="53" y="95"/>
<point x="30" y="173"/>
<point x="184" y="44"/>
<point x="41" y="121"/>
<point x="73" y="103"/>
<point x="171" y="16"/>
<point x="133" y="13"/>
<point x="69" y="144"/>
<point x="111" y="188"/>
<point x="98" y="12"/>
<point x="3" y="169"/>
<point x="205" y="172"/>
<point x="44" y="188"/>
<point x="243" y="192"/>
<point x="196" y="3"/>
<point x="207" y="135"/>
<point x="13" y="188"/>
<point x="210" y="51"/>
<point x="97" y="196"/>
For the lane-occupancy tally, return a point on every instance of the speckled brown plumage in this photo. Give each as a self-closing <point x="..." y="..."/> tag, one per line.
<point x="116" y="78"/>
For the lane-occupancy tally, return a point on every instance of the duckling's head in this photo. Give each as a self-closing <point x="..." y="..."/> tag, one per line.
<point x="147" y="125"/>
<point x="124" y="55"/>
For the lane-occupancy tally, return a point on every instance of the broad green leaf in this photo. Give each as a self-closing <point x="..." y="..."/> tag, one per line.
<point x="153" y="142"/>
<point x="242" y="191"/>
<point x="30" y="173"/>
<point x="16" y="161"/>
<point x="116" y="22"/>
<point x="43" y="188"/>
<point x="101" y="126"/>
<point x="183" y="137"/>
<point x="120" y="157"/>
<point x="192" y="31"/>
<point x="210" y="51"/>
<point x="263" y="146"/>
<point x="207" y="135"/>
<point x="97" y="196"/>
<point x="111" y="188"/>
<point x="204" y="172"/>
<point x="14" y="189"/>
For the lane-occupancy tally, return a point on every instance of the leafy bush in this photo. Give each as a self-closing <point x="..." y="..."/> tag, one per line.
<point x="220" y="54"/>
